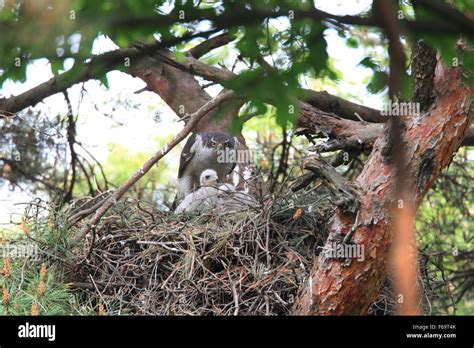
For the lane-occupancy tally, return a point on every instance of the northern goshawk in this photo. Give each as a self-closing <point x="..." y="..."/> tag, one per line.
<point x="205" y="150"/>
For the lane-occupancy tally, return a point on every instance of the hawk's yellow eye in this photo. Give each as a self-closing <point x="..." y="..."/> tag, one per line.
<point x="213" y="144"/>
<point x="226" y="144"/>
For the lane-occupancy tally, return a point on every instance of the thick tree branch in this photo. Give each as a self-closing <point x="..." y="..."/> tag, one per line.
<point x="208" y="45"/>
<point x="347" y="134"/>
<point x="342" y="107"/>
<point x="243" y="16"/>
<point x="195" y="67"/>
<point x="96" y="67"/>
<point x="342" y="133"/>
<point x="448" y="12"/>
<point x="403" y="254"/>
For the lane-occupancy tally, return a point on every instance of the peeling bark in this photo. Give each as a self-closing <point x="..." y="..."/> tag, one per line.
<point x="431" y="138"/>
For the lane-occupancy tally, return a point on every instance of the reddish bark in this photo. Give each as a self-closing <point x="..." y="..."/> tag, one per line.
<point x="431" y="138"/>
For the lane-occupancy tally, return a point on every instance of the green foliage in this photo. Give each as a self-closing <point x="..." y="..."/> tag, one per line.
<point x="352" y="42"/>
<point x="378" y="82"/>
<point x="122" y="163"/>
<point x="368" y="62"/>
<point x="23" y="286"/>
<point x="33" y="285"/>
<point x="444" y="224"/>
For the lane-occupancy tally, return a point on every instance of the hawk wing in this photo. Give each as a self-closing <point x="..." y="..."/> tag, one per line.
<point x="187" y="154"/>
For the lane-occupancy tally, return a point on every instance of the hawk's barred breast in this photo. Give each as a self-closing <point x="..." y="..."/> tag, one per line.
<point x="201" y="152"/>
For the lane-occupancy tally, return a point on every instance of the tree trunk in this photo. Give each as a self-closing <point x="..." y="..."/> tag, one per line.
<point x="431" y="138"/>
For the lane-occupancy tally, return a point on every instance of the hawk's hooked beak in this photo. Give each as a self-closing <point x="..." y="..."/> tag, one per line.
<point x="219" y="146"/>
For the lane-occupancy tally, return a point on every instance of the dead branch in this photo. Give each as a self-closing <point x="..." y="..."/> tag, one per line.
<point x="343" y="194"/>
<point x="71" y="139"/>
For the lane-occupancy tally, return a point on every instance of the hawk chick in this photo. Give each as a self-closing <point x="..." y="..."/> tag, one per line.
<point x="203" y="198"/>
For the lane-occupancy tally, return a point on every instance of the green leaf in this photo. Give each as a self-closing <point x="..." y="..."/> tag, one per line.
<point x="406" y="86"/>
<point x="247" y="45"/>
<point x="56" y="65"/>
<point x="352" y="42"/>
<point x="104" y="80"/>
<point x="378" y="82"/>
<point x="318" y="56"/>
<point x="236" y="126"/>
<point x="368" y="62"/>
<point x="446" y="46"/>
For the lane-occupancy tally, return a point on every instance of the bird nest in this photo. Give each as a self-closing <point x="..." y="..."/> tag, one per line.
<point x="144" y="261"/>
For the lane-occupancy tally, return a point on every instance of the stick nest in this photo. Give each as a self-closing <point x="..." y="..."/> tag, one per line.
<point x="144" y="261"/>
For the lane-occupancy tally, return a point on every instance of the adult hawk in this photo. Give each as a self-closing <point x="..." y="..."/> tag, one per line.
<point x="205" y="150"/>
